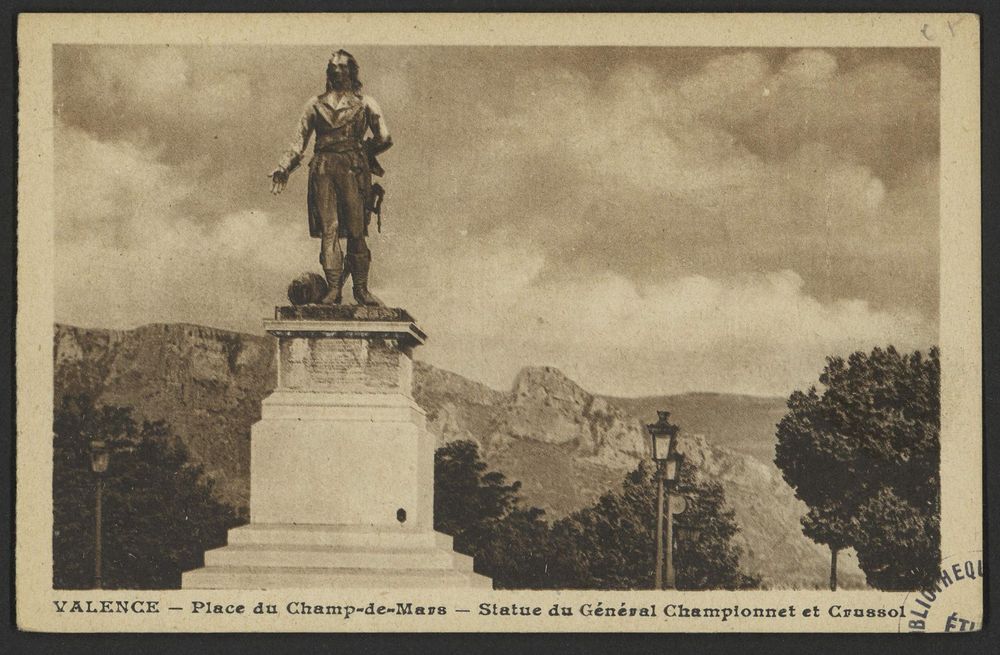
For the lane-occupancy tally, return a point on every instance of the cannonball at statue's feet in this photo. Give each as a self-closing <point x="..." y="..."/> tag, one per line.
<point x="306" y="289"/>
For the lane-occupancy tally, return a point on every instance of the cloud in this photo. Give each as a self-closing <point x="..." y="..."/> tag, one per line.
<point x="487" y="305"/>
<point x="154" y="94"/>
<point x="882" y="113"/>
<point x="488" y="315"/>
<point x="644" y="225"/>
<point x="710" y="175"/>
<point x="128" y="255"/>
<point x="809" y="68"/>
<point x="230" y="276"/>
<point x="103" y="185"/>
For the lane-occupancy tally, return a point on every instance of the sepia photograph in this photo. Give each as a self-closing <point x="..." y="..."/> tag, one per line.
<point x="500" y="321"/>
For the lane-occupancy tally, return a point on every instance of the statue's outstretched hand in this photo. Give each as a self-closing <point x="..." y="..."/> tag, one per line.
<point x="279" y="178"/>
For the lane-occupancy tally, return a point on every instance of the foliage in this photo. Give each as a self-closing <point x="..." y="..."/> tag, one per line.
<point x="712" y="560"/>
<point x="612" y="543"/>
<point x="864" y="455"/>
<point x="609" y="545"/>
<point x="485" y="516"/>
<point x="159" y="515"/>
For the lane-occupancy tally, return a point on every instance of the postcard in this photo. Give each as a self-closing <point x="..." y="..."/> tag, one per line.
<point x="503" y="323"/>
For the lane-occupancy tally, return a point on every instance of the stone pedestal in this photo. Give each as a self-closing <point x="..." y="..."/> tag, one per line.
<point x="342" y="466"/>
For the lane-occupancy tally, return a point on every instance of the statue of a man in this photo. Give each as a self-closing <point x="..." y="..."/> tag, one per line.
<point x="340" y="196"/>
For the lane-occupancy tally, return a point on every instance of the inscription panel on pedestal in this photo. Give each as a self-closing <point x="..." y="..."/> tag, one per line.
<point x="366" y="365"/>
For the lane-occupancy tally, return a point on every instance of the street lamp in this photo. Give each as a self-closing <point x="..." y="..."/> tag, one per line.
<point x="668" y="470"/>
<point x="663" y="433"/>
<point x="100" y="457"/>
<point x="671" y="474"/>
<point x="672" y="467"/>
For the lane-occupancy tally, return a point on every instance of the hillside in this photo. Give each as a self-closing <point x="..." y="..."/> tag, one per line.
<point x="566" y="445"/>
<point x="206" y="383"/>
<point x="742" y="423"/>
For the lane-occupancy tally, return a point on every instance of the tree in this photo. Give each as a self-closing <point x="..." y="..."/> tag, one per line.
<point x="830" y="523"/>
<point x="864" y="456"/>
<point x="486" y="516"/>
<point x="610" y="545"/>
<point x="159" y="512"/>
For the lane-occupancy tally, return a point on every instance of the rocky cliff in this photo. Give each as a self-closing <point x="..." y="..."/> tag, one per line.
<point x="567" y="446"/>
<point x="206" y="383"/>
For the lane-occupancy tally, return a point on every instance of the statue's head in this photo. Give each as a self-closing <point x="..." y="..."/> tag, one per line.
<point x="342" y="72"/>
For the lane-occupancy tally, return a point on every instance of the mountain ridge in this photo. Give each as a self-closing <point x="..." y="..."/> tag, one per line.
<point x="566" y="445"/>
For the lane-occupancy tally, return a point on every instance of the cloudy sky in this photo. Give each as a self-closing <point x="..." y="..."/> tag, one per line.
<point x="648" y="220"/>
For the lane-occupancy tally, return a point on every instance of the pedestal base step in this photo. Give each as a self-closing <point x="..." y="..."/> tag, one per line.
<point x="255" y="577"/>
<point x="290" y="556"/>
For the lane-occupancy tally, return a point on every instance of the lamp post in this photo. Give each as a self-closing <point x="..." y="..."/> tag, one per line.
<point x="659" y="529"/>
<point x="668" y="467"/>
<point x="671" y="474"/>
<point x="100" y="457"/>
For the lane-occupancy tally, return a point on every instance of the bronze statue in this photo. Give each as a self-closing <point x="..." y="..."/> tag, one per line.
<point x="341" y="196"/>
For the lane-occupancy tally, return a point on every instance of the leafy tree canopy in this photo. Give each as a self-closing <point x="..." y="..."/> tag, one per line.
<point x="864" y="454"/>
<point x="609" y="545"/>
<point x="159" y="515"/>
<point x="485" y="515"/>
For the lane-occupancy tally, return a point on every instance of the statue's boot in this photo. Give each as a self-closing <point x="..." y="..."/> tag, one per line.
<point x="359" y="263"/>
<point x="335" y="281"/>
